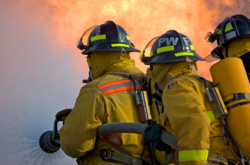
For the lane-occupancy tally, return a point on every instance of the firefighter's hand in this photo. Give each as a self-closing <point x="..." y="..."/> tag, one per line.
<point x="153" y="133"/>
<point x="61" y="115"/>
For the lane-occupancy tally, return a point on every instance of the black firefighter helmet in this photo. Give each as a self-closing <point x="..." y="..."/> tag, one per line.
<point x="231" y="29"/>
<point x="106" y="37"/>
<point x="170" y="47"/>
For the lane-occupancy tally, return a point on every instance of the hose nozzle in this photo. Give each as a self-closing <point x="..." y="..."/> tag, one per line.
<point x="47" y="143"/>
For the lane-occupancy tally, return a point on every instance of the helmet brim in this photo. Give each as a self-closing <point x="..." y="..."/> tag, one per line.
<point x="107" y="48"/>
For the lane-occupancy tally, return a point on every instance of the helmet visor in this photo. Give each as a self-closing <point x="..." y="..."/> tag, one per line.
<point x="146" y="51"/>
<point x="84" y="38"/>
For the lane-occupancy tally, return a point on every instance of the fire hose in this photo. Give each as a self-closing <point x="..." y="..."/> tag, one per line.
<point x="50" y="140"/>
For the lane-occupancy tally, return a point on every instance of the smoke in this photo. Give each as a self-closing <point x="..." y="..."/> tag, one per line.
<point x="36" y="80"/>
<point x="143" y="20"/>
<point x="41" y="69"/>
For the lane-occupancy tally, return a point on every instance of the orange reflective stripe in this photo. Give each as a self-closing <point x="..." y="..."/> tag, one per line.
<point x="113" y="138"/>
<point x="118" y="143"/>
<point x="118" y="86"/>
<point x="113" y="83"/>
<point x="121" y="89"/>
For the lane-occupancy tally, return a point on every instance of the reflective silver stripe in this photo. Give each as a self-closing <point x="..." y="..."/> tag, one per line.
<point x="126" y="84"/>
<point x="230" y="35"/>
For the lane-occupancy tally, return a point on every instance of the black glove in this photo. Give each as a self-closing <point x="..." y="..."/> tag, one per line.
<point x="153" y="133"/>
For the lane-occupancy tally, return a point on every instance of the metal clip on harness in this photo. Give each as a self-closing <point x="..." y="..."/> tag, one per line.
<point x="142" y="104"/>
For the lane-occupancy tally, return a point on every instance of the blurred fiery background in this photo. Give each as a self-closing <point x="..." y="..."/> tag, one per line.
<point x="41" y="69"/>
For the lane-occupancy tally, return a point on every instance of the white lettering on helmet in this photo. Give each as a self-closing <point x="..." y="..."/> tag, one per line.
<point x="186" y="40"/>
<point x="171" y="39"/>
<point x="161" y="41"/>
<point x="168" y="41"/>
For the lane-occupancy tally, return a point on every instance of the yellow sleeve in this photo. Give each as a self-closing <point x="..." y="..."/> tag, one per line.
<point x="185" y="111"/>
<point x="78" y="134"/>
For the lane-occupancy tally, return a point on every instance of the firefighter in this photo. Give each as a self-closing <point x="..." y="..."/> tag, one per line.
<point x="233" y="39"/>
<point x="106" y="98"/>
<point x="187" y="111"/>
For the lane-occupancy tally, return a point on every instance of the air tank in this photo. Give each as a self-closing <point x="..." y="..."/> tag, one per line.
<point x="231" y="78"/>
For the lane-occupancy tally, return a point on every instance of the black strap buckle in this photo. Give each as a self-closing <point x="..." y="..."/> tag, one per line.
<point x="107" y="154"/>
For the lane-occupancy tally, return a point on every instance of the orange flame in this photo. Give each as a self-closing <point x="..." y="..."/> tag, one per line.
<point x="142" y="19"/>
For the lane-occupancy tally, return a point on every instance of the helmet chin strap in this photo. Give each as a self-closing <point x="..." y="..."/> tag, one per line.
<point x="123" y="51"/>
<point x="188" y="60"/>
<point x="193" y="69"/>
<point x="189" y="65"/>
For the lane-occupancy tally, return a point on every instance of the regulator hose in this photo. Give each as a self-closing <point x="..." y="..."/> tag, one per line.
<point x="234" y="141"/>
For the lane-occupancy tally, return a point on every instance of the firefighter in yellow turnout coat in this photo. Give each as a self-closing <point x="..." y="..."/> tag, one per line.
<point x="233" y="39"/>
<point x="187" y="111"/>
<point x="107" y="99"/>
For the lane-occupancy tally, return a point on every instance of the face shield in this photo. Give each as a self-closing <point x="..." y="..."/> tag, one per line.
<point x="83" y="41"/>
<point x="145" y="57"/>
<point x="146" y="54"/>
<point x="84" y="45"/>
